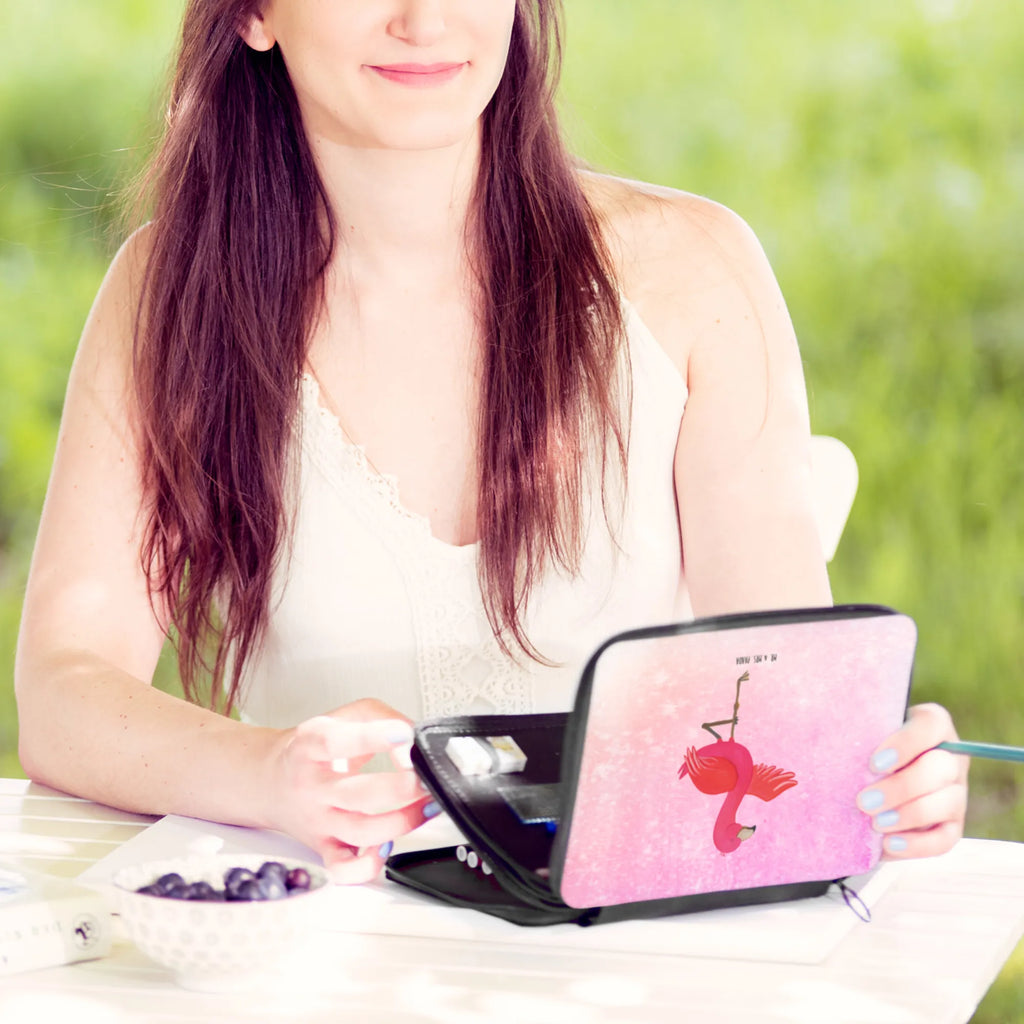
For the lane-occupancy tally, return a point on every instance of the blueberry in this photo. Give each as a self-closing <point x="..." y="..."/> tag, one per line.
<point x="200" y="891"/>
<point x="248" y="890"/>
<point x="273" y="868"/>
<point x="298" y="880"/>
<point x="233" y="877"/>
<point x="177" y="892"/>
<point x="169" y="881"/>
<point x="151" y="890"/>
<point x="272" y="887"/>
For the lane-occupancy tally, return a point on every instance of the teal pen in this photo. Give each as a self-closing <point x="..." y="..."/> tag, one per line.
<point x="990" y="750"/>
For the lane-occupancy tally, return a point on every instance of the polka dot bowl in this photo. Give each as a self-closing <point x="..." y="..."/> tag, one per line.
<point x="217" y="946"/>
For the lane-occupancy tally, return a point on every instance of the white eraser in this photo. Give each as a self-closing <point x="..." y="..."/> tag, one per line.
<point x="468" y="755"/>
<point x="510" y="755"/>
<point x="485" y="755"/>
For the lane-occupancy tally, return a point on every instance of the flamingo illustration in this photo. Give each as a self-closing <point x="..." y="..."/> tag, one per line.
<point x="726" y="766"/>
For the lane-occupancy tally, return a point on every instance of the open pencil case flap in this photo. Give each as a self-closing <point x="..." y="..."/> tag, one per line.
<point x="514" y="852"/>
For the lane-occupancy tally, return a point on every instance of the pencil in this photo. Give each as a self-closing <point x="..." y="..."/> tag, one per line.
<point x="990" y="750"/>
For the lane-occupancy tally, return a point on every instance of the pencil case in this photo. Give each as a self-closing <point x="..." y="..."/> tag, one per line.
<point x="706" y="764"/>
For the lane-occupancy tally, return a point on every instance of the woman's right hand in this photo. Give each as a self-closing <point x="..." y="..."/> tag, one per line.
<point x="322" y="799"/>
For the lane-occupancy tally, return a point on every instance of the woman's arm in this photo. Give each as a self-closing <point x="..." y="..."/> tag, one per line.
<point x="743" y="471"/>
<point x="89" y="720"/>
<point x="743" y="483"/>
<point x="743" y="477"/>
<point x="89" y="640"/>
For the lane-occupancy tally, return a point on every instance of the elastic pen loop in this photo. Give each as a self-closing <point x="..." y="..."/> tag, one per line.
<point x="852" y="899"/>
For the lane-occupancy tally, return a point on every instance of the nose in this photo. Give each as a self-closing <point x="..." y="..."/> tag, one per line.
<point x="419" y="22"/>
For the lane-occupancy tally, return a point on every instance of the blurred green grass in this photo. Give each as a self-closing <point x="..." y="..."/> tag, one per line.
<point x="878" y="151"/>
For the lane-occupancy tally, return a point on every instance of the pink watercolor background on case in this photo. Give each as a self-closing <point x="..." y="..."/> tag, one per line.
<point x="833" y="691"/>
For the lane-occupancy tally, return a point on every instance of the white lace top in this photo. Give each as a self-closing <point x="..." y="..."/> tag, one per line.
<point x="371" y="604"/>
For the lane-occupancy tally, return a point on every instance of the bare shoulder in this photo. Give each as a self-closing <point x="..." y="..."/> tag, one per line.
<point x="117" y="301"/>
<point x="700" y="280"/>
<point x="103" y="360"/>
<point x="692" y="267"/>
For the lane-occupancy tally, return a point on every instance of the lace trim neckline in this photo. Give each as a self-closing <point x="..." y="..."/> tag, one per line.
<point x="385" y="485"/>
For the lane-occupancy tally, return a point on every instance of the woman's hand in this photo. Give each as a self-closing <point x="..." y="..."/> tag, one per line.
<point x="920" y="800"/>
<point x="320" y="797"/>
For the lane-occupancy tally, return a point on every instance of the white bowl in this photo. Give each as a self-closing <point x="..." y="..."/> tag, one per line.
<point x="216" y="946"/>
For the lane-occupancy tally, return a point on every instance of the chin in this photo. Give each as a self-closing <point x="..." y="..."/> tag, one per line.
<point x="426" y="134"/>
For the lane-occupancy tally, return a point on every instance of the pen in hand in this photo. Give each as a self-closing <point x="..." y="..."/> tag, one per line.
<point x="992" y="751"/>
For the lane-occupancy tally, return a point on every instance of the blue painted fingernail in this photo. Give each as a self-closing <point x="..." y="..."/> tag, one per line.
<point x="895" y="844"/>
<point x="884" y="760"/>
<point x="887" y="819"/>
<point x="385" y="850"/>
<point x="871" y="799"/>
<point x="431" y="810"/>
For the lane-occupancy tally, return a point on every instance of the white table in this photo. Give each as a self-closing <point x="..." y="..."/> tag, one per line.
<point x="939" y="935"/>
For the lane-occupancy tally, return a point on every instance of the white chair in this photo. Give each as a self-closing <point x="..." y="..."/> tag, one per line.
<point x="834" y="479"/>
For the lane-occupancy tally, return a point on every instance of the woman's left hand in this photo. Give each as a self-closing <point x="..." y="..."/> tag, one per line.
<point x="920" y="798"/>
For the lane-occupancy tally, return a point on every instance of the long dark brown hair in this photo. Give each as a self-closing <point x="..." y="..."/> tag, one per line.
<point x="242" y="235"/>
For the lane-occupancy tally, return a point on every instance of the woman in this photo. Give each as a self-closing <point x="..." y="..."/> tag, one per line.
<point x="372" y="261"/>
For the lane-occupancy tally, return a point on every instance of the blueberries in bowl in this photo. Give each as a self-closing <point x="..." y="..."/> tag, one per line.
<point x="210" y="941"/>
<point x="272" y="881"/>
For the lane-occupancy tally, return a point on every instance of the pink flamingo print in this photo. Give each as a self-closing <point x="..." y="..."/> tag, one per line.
<point x="726" y="766"/>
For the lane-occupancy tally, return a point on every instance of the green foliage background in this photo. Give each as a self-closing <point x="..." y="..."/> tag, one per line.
<point x="876" y="148"/>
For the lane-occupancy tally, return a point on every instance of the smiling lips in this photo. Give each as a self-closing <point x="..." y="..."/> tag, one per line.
<point x="418" y="76"/>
